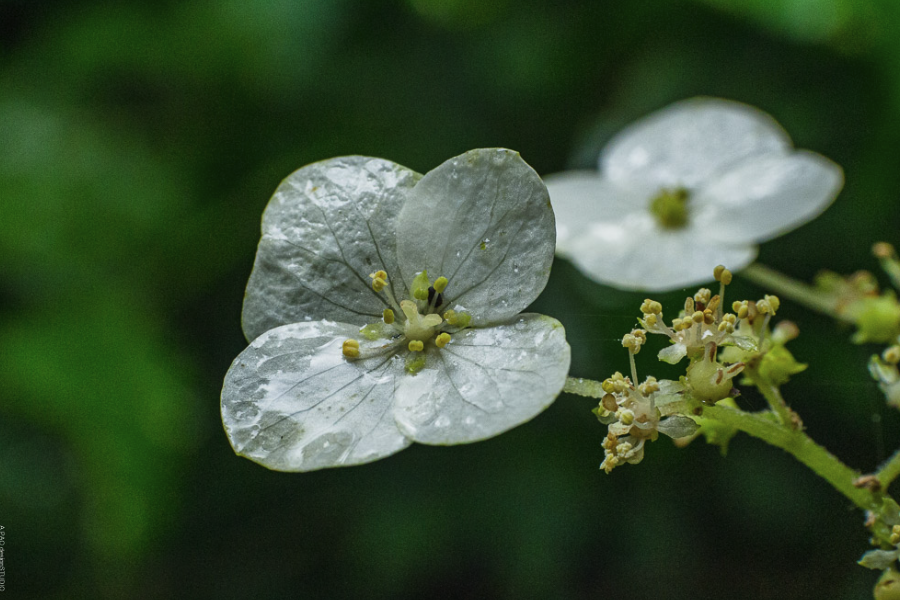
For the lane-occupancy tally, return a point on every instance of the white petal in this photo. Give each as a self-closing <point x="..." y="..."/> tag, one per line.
<point x="580" y="198"/>
<point x="635" y="254"/>
<point x="673" y="353"/>
<point x="486" y="381"/>
<point x="767" y="196"/>
<point x="688" y="142"/>
<point x="328" y="226"/>
<point x="482" y="220"/>
<point x="292" y="402"/>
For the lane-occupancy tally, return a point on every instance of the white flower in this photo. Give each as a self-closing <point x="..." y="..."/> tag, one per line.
<point x="384" y="309"/>
<point x="697" y="184"/>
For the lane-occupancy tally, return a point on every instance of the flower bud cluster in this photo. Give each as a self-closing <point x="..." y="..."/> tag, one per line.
<point x="884" y="370"/>
<point x="856" y="298"/>
<point x="631" y="416"/>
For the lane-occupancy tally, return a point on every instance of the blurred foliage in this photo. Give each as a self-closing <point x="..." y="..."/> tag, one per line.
<point x="139" y="143"/>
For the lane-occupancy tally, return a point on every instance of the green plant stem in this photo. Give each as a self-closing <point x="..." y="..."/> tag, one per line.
<point x="889" y="471"/>
<point x="773" y="396"/>
<point x="583" y="387"/>
<point x="801" y="447"/>
<point x="784" y="435"/>
<point x="787" y="287"/>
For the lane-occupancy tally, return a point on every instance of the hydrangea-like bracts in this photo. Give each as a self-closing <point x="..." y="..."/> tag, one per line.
<point x="696" y="184"/>
<point x="384" y="309"/>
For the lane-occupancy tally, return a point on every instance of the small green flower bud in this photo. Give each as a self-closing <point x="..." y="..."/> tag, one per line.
<point x="888" y="586"/>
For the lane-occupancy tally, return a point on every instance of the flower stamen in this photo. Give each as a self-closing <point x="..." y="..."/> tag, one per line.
<point x="350" y="348"/>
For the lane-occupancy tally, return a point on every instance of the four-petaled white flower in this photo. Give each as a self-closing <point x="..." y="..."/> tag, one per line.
<point x="697" y="184"/>
<point x="356" y="351"/>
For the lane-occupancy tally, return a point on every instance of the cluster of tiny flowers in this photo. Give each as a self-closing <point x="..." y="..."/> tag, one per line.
<point x="857" y="299"/>
<point x="632" y="419"/>
<point x="632" y="412"/>
<point x="700" y="329"/>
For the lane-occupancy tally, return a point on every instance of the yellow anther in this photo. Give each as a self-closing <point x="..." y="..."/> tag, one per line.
<point x="450" y="317"/>
<point x="631" y="342"/>
<point x="608" y="402"/>
<point x="649" y="386"/>
<point x="626" y="417"/>
<point x="650" y="320"/>
<point x="350" y="348"/>
<point x="774" y="303"/>
<point x="722" y="274"/>
<point x="726" y="327"/>
<point x="608" y="386"/>
<point x="416" y="346"/>
<point x="379" y="280"/>
<point x="651" y="307"/>
<point x="676" y="324"/>
<point x="697" y="317"/>
<point x="420" y="294"/>
<point x="763" y="307"/>
<point x="442" y="340"/>
<point x="388" y="316"/>
<point x="709" y="317"/>
<point x="714" y="302"/>
<point x="702" y="296"/>
<point x="440" y="285"/>
<point x="891" y="355"/>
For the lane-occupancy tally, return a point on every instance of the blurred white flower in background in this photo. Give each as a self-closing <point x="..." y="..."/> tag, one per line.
<point x="694" y="185"/>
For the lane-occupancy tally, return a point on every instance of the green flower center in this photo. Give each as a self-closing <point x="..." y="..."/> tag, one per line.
<point x="419" y="322"/>
<point x="670" y="208"/>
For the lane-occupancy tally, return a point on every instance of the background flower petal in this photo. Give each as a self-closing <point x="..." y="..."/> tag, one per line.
<point x="582" y="197"/>
<point x="689" y="142"/>
<point x="767" y="196"/>
<point x="486" y="381"/>
<point x="328" y="226"/>
<point x="292" y="402"/>
<point x="635" y="254"/>
<point x="483" y="220"/>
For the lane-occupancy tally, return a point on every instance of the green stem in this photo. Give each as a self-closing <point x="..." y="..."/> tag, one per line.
<point x="781" y="435"/>
<point x="787" y="287"/>
<point x="583" y="387"/>
<point x="773" y="396"/>
<point x="801" y="447"/>
<point x="889" y="471"/>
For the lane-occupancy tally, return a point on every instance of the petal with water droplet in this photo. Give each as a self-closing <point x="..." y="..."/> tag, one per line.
<point x="293" y="402"/>
<point x="486" y="381"/>
<point x="328" y="226"/>
<point x="482" y="220"/>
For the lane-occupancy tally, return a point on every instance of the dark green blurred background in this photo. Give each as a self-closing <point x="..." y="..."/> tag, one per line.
<point x="139" y="143"/>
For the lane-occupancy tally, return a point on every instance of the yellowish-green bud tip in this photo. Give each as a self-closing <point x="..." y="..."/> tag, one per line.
<point x="442" y="340"/>
<point x="440" y="285"/>
<point x="891" y="355"/>
<point x="388" y="316"/>
<point x="350" y="348"/>
<point x="416" y="346"/>
<point x="883" y="250"/>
